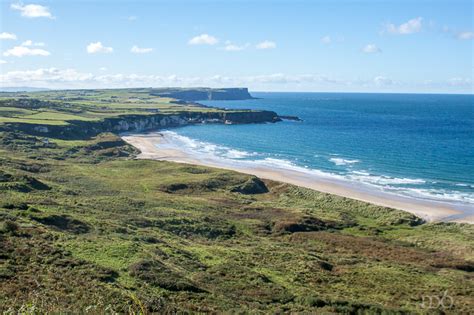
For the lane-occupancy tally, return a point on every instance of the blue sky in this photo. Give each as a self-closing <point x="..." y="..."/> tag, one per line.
<point x="360" y="46"/>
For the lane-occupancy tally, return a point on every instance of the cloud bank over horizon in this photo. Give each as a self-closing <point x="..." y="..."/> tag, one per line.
<point x="55" y="78"/>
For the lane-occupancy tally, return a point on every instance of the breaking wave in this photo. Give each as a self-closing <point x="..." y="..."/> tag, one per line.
<point x="409" y="187"/>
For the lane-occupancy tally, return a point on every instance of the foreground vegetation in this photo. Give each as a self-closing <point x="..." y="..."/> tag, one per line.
<point x="85" y="228"/>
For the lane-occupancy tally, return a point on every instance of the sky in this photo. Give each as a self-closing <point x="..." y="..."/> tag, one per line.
<point x="399" y="46"/>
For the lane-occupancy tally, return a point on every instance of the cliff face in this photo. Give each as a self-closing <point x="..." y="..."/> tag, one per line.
<point x="249" y="117"/>
<point x="230" y="94"/>
<point x="203" y="94"/>
<point x="83" y="129"/>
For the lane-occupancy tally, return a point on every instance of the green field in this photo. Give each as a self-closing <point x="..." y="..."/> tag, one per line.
<point x="62" y="107"/>
<point x="86" y="228"/>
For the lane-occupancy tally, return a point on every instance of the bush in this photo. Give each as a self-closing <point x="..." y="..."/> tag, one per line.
<point x="253" y="185"/>
<point x="15" y="206"/>
<point x="63" y="223"/>
<point x="10" y="227"/>
<point x="305" y="224"/>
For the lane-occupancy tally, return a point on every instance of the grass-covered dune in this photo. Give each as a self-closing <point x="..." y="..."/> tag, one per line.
<point x="85" y="228"/>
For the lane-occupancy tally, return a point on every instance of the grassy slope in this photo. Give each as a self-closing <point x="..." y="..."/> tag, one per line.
<point x="86" y="228"/>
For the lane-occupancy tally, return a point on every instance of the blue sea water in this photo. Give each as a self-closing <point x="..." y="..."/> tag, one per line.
<point x="418" y="145"/>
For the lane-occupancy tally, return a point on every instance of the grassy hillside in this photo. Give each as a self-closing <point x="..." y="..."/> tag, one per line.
<point x="86" y="228"/>
<point x="61" y="107"/>
<point x="76" y="114"/>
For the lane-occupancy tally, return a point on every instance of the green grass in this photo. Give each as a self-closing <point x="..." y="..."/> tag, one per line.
<point x="26" y="120"/>
<point x="86" y="228"/>
<point x="13" y="111"/>
<point x="60" y="108"/>
<point x="57" y="116"/>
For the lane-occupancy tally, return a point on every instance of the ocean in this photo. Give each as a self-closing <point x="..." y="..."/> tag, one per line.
<point x="415" y="145"/>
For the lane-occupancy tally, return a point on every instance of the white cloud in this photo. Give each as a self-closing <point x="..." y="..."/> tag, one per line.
<point x="298" y="79"/>
<point x="382" y="81"/>
<point x="72" y="78"/>
<point x="461" y="35"/>
<point x="409" y="27"/>
<point x="326" y="39"/>
<point x="103" y="68"/>
<point x="97" y="47"/>
<point x="32" y="10"/>
<point x="460" y="82"/>
<point x="43" y="76"/>
<point x="229" y="46"/>
<point x="232" y="47"/>
<point x="137" y="50"/>
<point x="28" y="43"/>
<point x="2" y="62"/>
<point x="266" y="45"/>
<point x="20" y="51"/>
<point x="371" y="49"/>
<point x="132" y="18"/>
<point x="465" y="35"/>
<point x="68" y="78"/>
<point x="203" y="39"/>
<point x="6" y="35"/>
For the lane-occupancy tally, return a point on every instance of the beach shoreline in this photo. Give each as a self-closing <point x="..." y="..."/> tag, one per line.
<point x="431" y="211"/>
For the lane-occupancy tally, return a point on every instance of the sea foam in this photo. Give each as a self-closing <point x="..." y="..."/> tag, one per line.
<point x="341" y="161"/>
<point x="223" y="155"/>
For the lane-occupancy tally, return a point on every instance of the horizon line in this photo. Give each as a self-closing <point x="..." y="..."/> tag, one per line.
<point x="43" y="89"/>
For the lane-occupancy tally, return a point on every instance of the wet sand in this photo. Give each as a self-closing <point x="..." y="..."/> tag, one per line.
<point x="428" y="210"/>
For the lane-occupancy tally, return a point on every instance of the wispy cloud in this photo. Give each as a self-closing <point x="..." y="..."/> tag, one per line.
<point x="460" y="81"/>
<point x="3" y="62"/>
<point x="21" y="51"/>
<point x="29" y="43"/>
<point x="381" y="81"/>
<point x="229" y="46"/>
<point x="326" y="39"/>
<point x="5" y="35"/>
<point x="72" y="78"/>
<point x="43" y="75"/>
<point x="371" y="49"/>
<point x="465" y="35"/>
<point x="457" y="34"/>
<point x="203" y="39"/>
<point x="412" y="26"/>
<point x="32" y="10"/>
<point x="137" y="50"/>
<point x="266" y="44"/>
<point x="132" y="18"/>
<point x="97" y="47"/>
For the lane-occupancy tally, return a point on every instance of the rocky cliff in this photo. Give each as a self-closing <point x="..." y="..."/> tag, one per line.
<point x="83" y="129"/>
<point x="201" y="94"/>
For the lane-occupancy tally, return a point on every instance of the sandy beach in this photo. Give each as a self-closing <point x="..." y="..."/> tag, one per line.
<point x="428" y="210"/>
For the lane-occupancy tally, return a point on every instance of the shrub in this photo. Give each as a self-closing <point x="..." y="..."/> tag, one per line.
<point x="10" y="227"/>
<point x="253" y="185"/>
